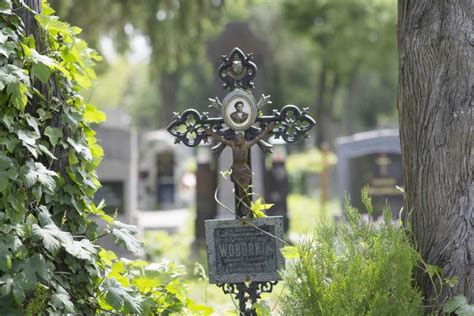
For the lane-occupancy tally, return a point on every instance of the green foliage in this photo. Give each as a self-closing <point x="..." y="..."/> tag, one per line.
<point x="310" y="161"/>
<point x="259" y="207"/>
<point x="137" y="287"/>
<point x="49" y="260"/>
<point x="352" y="268"/>
<point x="459" y="306"/>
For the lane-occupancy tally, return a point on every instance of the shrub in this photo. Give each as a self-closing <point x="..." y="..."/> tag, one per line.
<point x="354" y="267"/>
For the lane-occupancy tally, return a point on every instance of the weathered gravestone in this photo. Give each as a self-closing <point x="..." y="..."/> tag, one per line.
<point x="161" y="170"/>
<point x="233" y="260"/>
<point x="374" y="159"/>
<point x="117" y="172"/>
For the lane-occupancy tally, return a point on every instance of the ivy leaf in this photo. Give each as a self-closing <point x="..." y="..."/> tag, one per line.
<point x="7" y="172"/>
<point x="5" y="7"/>
<point x="107" y="256"/>
<point x="16" y="209"/>
<point x="119" y="298"/>
<point x="433" y="270"/>
<point x="41" y="71"/>
<point x="35" y="266"/>
<point x="28" y="138"/>
<point x="80" y="149"/>
<point x="465" y="310"/>
<point x="62" y="299"/>
<point x="83" y="249"/>
<point x="51" y="236"/>
<point x="124" y="234"/>
<point x="92" y="115"/>
<point x="146" y="284"/>
<point x="452" y="281"/>
<point x="18" y="95"/>
<point x="52" y="24"/>
<point x="36" y="172"/>
<point x="6" y="284"/>
<point x="11" y="74"/>
<point x="32" y="122"/>
<point x="453" y="304"/>
<point x="54" y="134"/>
<point x="258" y="207"/>
<point x="117" y="270"/>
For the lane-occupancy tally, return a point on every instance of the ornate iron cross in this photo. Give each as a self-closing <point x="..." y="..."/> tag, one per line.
<point x="241" y="125"/>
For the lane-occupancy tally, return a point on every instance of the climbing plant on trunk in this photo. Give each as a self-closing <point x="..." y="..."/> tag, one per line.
<point x="49" y="260"/>
<point x="435" y="98"/>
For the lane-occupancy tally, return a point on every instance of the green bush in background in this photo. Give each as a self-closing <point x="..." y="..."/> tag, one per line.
<point x="354" y="267"/>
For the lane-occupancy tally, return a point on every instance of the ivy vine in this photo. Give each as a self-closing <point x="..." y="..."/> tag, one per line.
<point x="49" y="258"/>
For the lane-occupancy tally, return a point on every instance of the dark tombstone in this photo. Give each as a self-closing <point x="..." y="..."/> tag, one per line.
<point x="206" y="207"/>
<point x="238" y="34"/>
<point x="374" y="159"/>
<point x="276" y="191"/>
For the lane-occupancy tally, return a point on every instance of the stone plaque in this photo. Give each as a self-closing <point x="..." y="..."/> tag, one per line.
<point x="240" y="252"/>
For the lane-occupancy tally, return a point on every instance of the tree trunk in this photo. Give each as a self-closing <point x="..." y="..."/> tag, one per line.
<point x="319" y="112"/>
<point x="435" y="99"/>
<point x="168" y="89"/>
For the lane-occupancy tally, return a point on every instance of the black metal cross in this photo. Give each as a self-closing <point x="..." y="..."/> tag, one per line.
<point x="241" y="125"/>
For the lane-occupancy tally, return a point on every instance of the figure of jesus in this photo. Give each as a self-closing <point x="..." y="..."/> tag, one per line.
<point x="241" y="172"/>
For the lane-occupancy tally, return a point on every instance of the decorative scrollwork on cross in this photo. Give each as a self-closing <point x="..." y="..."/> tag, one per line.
<point x="189" y="127"/>
<point x="237" y="70"/>
<point x="247" y="293"/>
<point x="291" y="124"/>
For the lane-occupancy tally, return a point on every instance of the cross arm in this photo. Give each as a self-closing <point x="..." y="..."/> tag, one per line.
<point x="190" y="127"/>
<point x="262" y="135"/>
<point x="290" y="123"/>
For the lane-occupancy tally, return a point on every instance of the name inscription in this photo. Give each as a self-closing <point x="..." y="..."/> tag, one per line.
<point x="239" y="251"/>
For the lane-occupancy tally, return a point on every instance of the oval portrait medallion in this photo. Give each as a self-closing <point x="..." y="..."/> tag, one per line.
<point x="239" y="110"/>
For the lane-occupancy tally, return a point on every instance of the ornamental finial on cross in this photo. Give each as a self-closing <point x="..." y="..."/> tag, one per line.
<point x="242" y="123"/>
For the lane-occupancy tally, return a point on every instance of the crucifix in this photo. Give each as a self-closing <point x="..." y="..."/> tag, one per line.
<point x="241" y="125"/>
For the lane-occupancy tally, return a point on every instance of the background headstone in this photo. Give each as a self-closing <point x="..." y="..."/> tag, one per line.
<point x="277" y="182"/>
<point x="162" y="171"/>
<point x="117" y="172"/>
<point x="206" y="181"/>
<point x="371" y="158"/>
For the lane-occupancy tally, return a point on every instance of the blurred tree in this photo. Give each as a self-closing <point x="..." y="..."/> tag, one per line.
<point x="349" y="39"/>
<point x="175" y="30"/>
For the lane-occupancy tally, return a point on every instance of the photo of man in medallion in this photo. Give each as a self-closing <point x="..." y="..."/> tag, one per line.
<point x="239" y="116"/>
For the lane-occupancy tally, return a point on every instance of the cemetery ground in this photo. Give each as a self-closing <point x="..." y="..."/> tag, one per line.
<point x="177" y="246"/>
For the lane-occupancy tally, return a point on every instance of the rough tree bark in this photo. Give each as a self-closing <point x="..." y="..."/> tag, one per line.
<point x="435" y="105"/>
